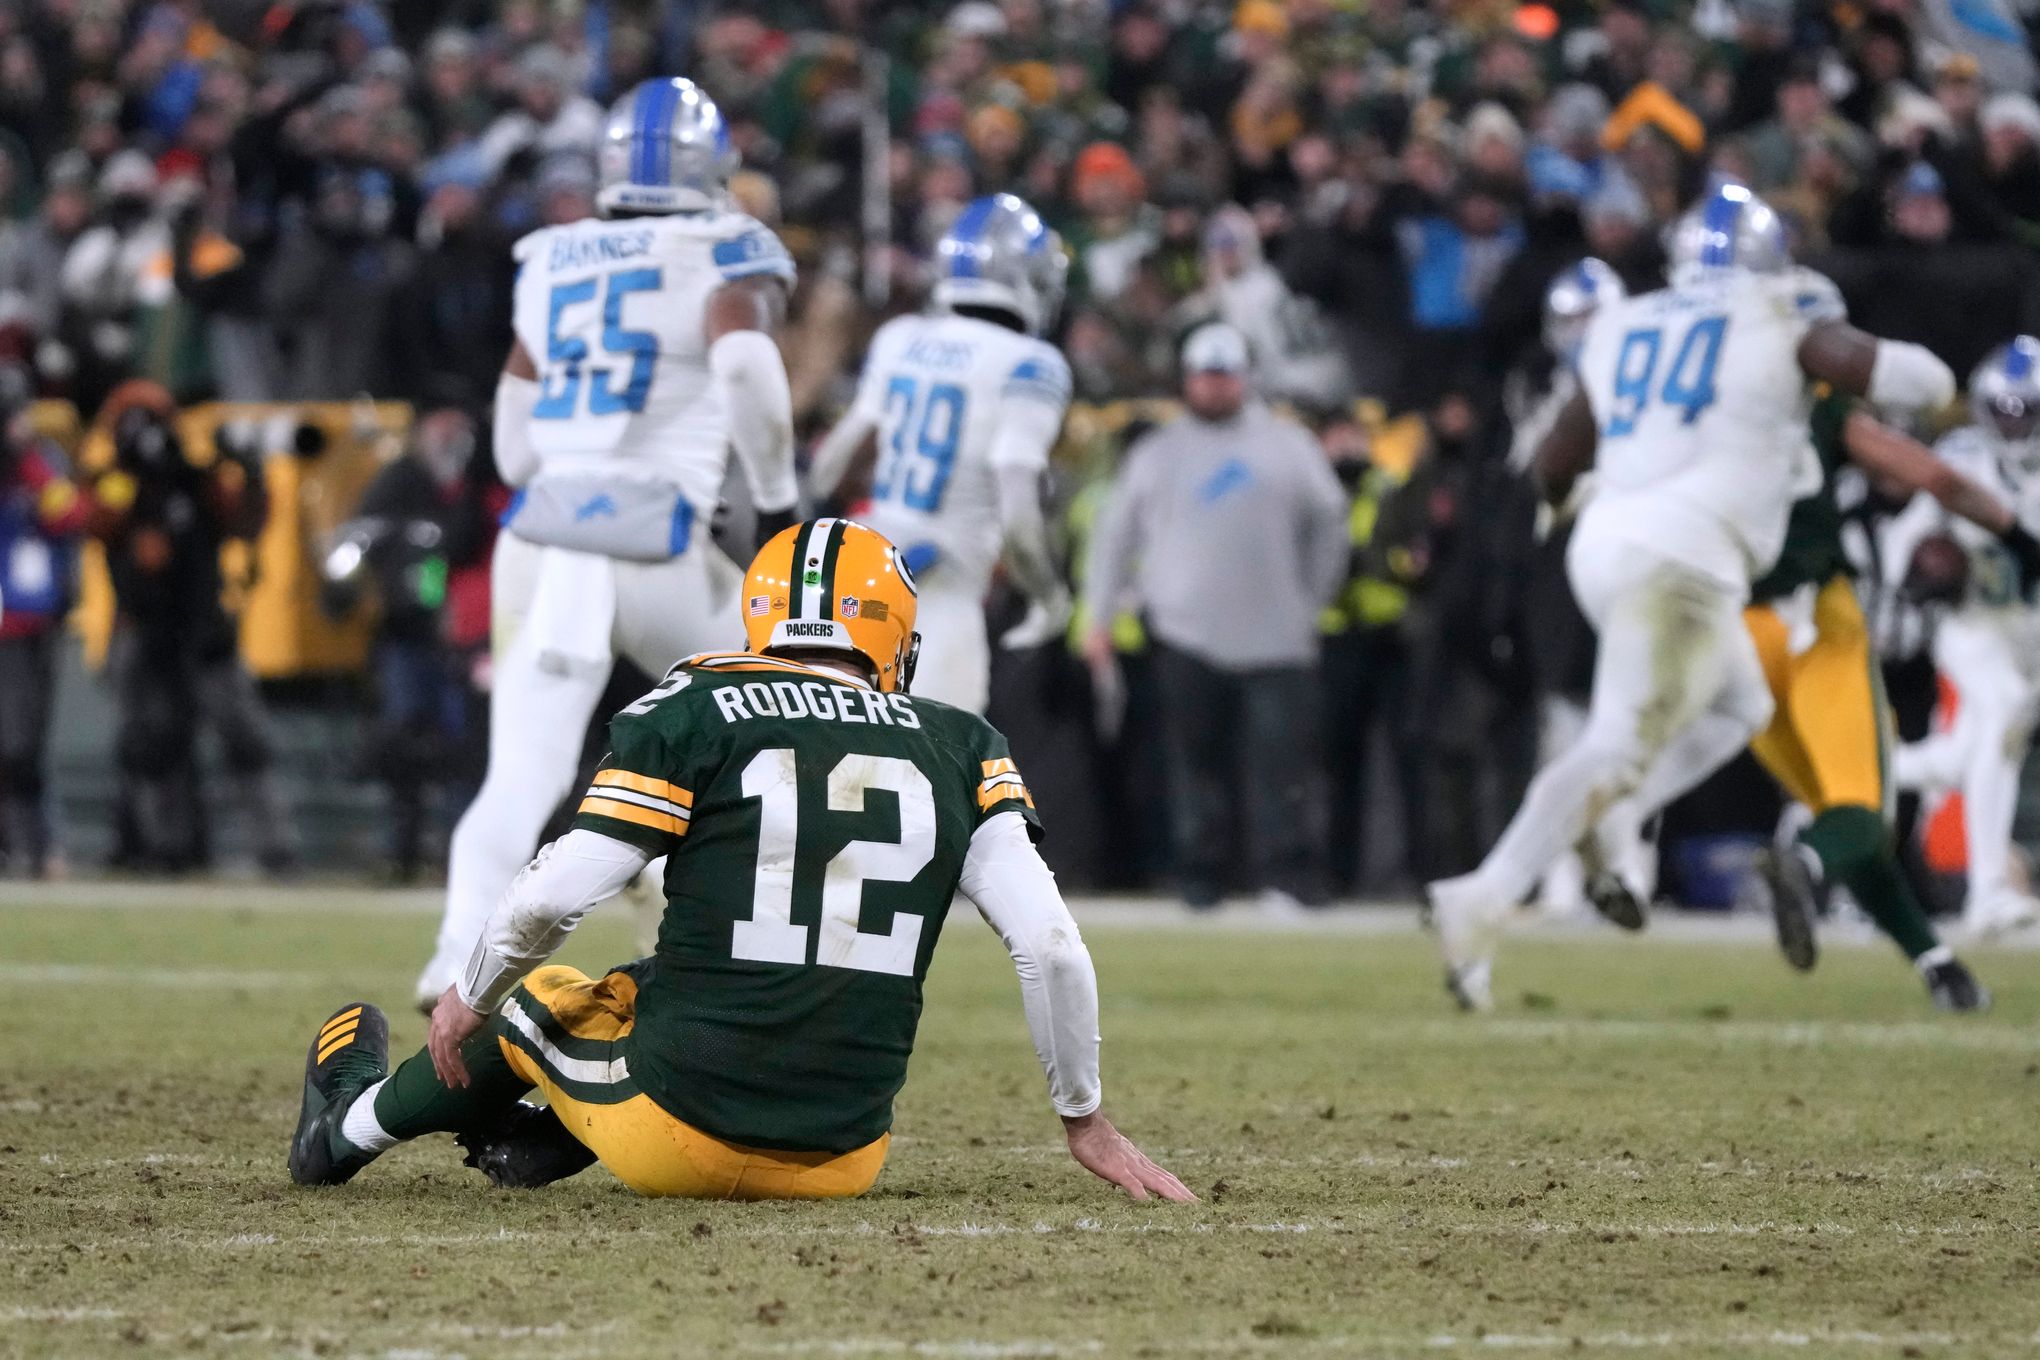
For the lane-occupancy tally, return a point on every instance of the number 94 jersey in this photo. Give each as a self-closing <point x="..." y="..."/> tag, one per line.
<point x="815" y="832"/>
<point x="942" y="390"/>
<point x="1701" y="410"/>
<point x="611" y="311"/>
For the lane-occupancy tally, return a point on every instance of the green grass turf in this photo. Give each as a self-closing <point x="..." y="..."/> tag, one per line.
<point x="1669" y="1148"/>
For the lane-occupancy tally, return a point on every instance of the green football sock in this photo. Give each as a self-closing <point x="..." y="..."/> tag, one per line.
<point x="413" y="1101"/>
<point x="1854" y="846"/>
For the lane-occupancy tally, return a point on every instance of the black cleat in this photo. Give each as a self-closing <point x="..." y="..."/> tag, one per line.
<point x="1613" y="900"/>
<point x="1955" y="988"/>
<point x="350" y="1054"/>
<point x="530" y="1148"/>
<point x="1795" y="902"/>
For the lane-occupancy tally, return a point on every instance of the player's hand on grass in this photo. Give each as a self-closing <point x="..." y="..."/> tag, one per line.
<point x="453" y="1024"/>
<point x="1108" y="1154"/>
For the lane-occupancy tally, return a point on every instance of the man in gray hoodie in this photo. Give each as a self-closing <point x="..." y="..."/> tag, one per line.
<point x="1226" y="529"/>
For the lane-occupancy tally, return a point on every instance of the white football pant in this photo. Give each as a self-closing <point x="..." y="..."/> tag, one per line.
<point x="540" y="705"/>
<point x="956" y="655"/>
<point x="1981" y="753"/>
<point x="1677" y="692"/>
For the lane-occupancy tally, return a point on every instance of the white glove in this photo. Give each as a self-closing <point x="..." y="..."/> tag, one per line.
<point x="1044" y="622"/>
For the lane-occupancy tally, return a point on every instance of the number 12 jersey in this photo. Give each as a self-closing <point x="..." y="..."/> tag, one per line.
<point x="815" y="832"/>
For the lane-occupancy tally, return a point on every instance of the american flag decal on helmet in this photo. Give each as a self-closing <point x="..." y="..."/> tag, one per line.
<point x="760" y="604"/>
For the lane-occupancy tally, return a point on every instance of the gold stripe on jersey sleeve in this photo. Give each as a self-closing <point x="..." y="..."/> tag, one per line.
<point x="598" y="806"/>
<point x="998" y="791"/>
<point x="638" y="783"/>
<point x="1004" y="765"/>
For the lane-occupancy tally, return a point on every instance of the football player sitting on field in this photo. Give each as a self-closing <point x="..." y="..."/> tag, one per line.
<point x="817" y="820"/>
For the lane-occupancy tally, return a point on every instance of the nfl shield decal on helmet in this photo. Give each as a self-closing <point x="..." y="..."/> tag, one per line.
<point x="849" y="607"/>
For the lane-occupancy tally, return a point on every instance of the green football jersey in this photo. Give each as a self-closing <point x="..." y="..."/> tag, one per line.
<point x="1813" y="553"/>
<point x="815" y="833"/>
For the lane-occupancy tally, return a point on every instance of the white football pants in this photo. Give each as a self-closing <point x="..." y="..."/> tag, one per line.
<point x="1996" y="674"/>
<point x="956" y="654"/>
<point x="540" y="705"/>
<point x="1677" y="691"/>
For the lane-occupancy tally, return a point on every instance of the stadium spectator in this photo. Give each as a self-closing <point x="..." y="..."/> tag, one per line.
<point x="407" y="535"/>
<point x="104" y="283"/>
<point x="451" y="318"/>
<point x="1366" y="662"/>
<point x="41" y="517"/>
<point x="173" y="663"/>
<point x="1457" y="536"/>
<point x="32" y="251"/>
<point x="334" y="288"/>
<point x="1227" y="528"/>
<point x="1923" y="286"/>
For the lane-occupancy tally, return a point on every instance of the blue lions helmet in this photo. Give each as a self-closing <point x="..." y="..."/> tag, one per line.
<point x="665" y="149"/>
<point x="1729" y="228"/>
<point x="2004" y="398"/>
<point x="1571" y="301"/>
<point x="1000" y="254"/>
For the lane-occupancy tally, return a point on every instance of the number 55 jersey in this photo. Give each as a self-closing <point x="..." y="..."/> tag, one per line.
<point x="612" y="312"/>
<point x="816" y="831"/>
<point x="1701" y="411"/>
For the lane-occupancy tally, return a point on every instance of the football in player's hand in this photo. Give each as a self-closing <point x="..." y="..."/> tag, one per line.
<point x="1938" y="571"/>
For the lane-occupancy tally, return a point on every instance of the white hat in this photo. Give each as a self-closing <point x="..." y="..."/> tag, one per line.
<point x="1216" y="348"/>
<point x="2011" y="111"/>
<point x="976" y="19"/>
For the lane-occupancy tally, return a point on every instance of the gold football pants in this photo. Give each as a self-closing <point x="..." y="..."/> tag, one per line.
<point x="1827" y="739"/>
<point x="577" y="1061"/>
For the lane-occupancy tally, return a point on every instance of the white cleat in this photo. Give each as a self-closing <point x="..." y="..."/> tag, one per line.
<point x="431" y="985"/>
<point x="1472" y="986"/>
<point x="1277" y="905"/>
<point x="1469" y="927"/>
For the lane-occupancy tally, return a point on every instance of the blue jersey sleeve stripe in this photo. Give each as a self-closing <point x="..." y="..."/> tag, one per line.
<point x="782" y="267"/>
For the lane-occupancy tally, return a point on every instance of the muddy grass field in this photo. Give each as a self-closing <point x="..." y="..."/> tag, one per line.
<point x="1669" y="1147"/>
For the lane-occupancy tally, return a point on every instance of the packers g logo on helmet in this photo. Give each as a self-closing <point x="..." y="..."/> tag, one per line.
<point x="834" y="585"/>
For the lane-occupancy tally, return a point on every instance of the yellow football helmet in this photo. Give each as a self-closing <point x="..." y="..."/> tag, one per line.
<point x="834" y="585"/>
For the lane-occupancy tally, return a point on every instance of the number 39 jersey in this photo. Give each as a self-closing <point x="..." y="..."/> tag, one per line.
<point x="815" y="831"/>
<point x="612" y="312"/>
<point x="1701" y="409"/>
<point x="940" y="389"/>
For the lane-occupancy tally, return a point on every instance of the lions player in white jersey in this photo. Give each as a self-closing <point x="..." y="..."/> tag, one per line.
<point x="967" y="402"/>
<point x="1617" y="846"/>
<point x="1692" y="410"/>
<point x="1989" y="644"/>
<point x="644" y="353"/>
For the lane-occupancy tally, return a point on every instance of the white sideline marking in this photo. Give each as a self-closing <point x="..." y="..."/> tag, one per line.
<point x="91" y="974"/>
<point x="1107" y="912"/>
<point x="1725" y="1033"/>
<point x="1465" y="1030"/>
<point x="21" y="1314"/>
<point x="1400" y="1345"/>
<point x="1348" y="1224"/>
<point x="964" y="1350"/>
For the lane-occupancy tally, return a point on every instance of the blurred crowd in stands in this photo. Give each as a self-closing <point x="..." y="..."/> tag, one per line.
<point x="314" y="200"/>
